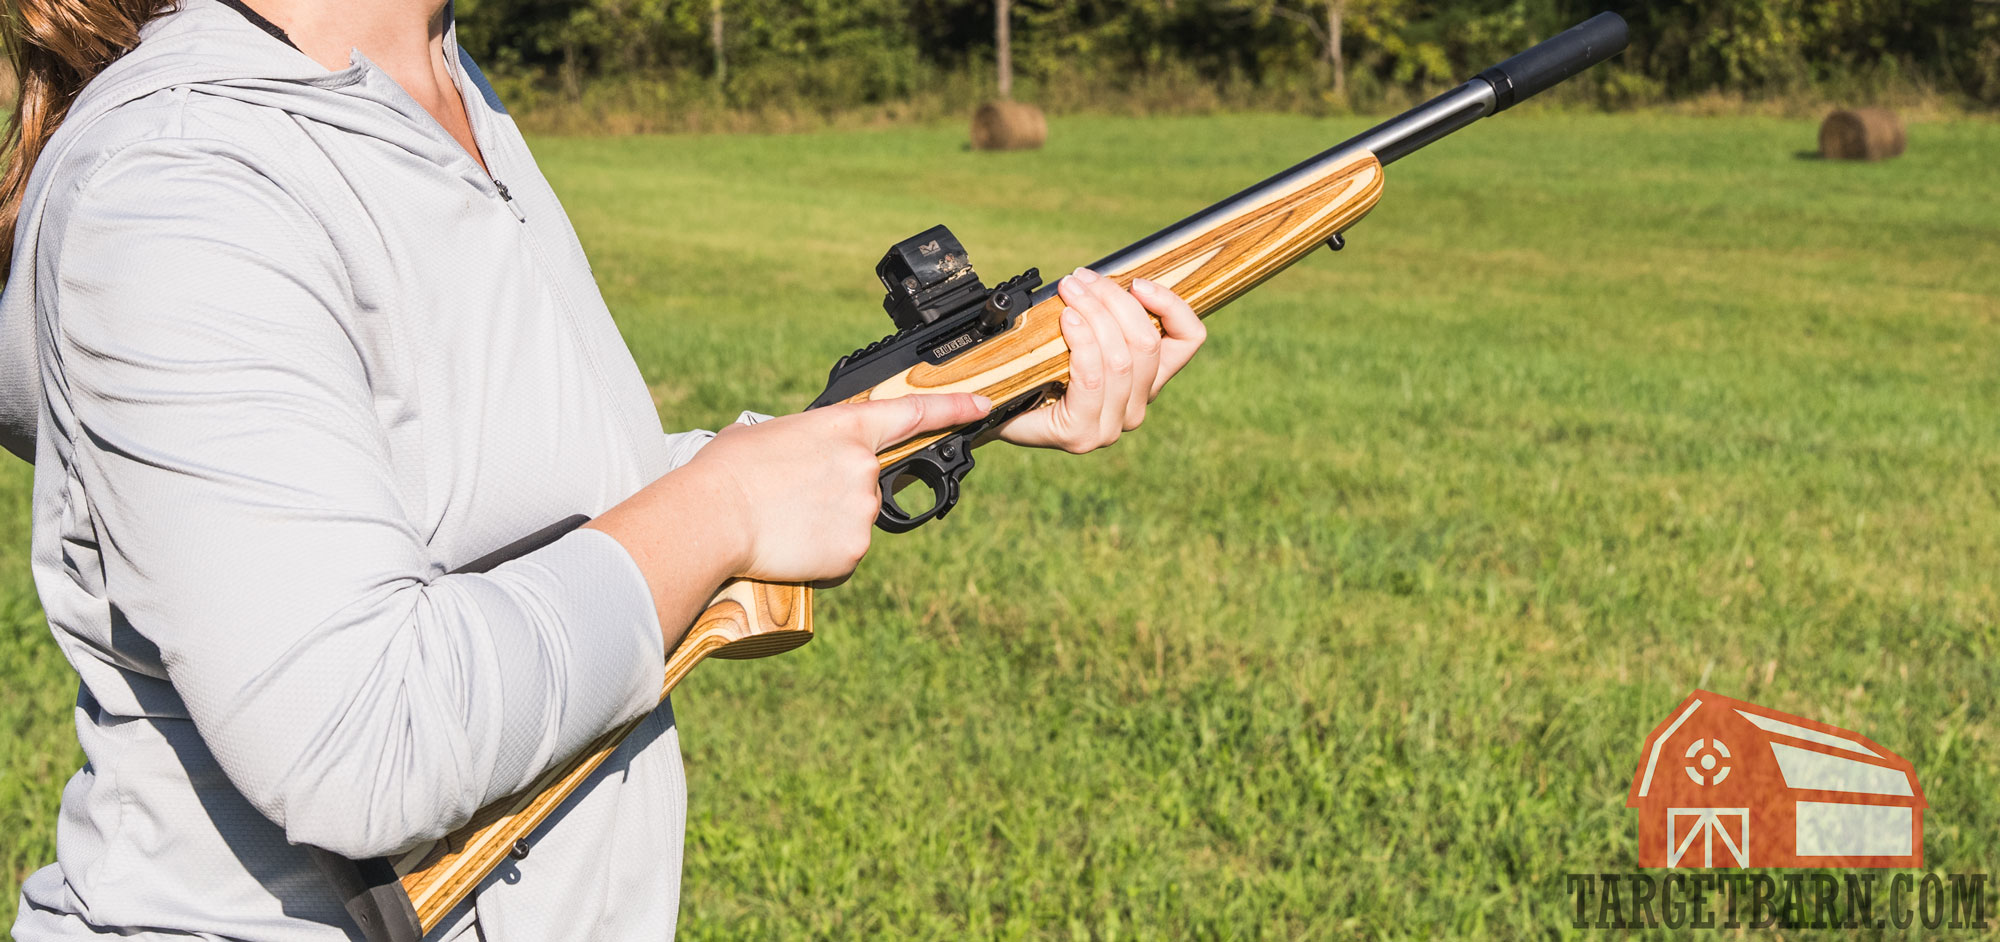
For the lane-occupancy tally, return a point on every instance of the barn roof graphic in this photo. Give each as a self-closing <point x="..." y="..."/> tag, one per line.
<point x="1725" y="782"/>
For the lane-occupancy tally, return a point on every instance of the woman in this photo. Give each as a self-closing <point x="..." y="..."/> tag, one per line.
<point x="317" y="385"/>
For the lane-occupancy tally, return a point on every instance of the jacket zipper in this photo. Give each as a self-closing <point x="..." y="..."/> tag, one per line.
<point x="508" y="198"/>
<point x="553" y="286"/>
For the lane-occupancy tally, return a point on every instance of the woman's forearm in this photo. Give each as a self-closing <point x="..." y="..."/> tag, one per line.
<point x="686" y="533"/>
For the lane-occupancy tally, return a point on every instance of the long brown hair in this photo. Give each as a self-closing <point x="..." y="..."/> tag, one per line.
<point x="57" y="46"/>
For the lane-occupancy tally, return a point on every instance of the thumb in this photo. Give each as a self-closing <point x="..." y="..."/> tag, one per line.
<point x="893" y="421"/>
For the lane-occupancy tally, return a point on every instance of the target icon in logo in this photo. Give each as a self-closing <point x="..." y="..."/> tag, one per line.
<point x="1707" y="761"/>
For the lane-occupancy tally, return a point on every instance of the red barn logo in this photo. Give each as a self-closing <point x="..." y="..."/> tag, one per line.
<point x="1724" y="783"/>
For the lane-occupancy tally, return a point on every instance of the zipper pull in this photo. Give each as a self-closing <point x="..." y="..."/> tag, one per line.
<point x="508" y="198"/>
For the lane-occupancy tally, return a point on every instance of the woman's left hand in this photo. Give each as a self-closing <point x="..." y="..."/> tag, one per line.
<point x="1118" y="362"/>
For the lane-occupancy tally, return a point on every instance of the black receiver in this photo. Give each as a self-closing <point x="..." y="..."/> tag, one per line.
<point x="942" y="311"/>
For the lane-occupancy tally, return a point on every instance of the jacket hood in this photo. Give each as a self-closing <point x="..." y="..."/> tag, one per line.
<point x="206" y="46"/>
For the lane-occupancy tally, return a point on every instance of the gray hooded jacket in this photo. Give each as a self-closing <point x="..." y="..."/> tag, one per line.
<point x="292" y="368"/>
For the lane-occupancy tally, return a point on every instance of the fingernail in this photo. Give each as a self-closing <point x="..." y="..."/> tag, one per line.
<point x="1085" y="275"/>
<point x="984" y="404"/>
<point x="1143" y="286"/>
<point x="1071" y="317"/>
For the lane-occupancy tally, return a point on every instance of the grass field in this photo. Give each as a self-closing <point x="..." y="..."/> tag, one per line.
<point x="1361" y="634"/>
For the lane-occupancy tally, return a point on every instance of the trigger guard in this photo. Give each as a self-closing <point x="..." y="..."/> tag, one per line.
<point x="940" y="467"/>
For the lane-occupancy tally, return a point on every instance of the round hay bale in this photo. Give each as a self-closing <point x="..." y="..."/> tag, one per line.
<point x="1861" y="134"/>
<point x="1008" y="125"/>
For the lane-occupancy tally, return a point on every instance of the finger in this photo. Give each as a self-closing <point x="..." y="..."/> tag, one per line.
<point x="1185" y="331"/>
<point x="1031" y="428"/>
<point x="1109" y="420"/>
<point x="892" y="421"/>
<point x="1072" y="420"/>
<point x="1142" y="338"/>
<point x="1044" y="427"/>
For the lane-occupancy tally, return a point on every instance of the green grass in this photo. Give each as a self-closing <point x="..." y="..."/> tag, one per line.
<point x="1360" y="635"/>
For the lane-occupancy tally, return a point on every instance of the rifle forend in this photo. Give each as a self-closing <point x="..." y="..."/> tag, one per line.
<point x="958" y="336"/>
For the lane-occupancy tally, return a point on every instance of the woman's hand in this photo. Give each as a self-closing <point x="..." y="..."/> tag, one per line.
<point x="1118" y="361"/>
<point x="792" y="499"/>
<point x="809" y="482"/>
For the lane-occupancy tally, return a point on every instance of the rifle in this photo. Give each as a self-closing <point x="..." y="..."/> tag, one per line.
<point x="954" y="334"/>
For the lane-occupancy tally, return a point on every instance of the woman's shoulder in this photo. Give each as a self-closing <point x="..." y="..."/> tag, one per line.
<point x="171" y="185"/>
<point x="200" y="75"/>
<point x="168" y="123"/>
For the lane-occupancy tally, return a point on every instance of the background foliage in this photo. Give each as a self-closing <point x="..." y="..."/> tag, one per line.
<point x="846" y="53"/>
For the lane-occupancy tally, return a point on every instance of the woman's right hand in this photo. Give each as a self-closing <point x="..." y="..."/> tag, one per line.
<point x="791" y="499"/>
<point x="807" y="484"/>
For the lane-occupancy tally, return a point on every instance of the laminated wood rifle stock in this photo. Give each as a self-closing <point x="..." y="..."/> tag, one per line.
<point x="958" y="335"/>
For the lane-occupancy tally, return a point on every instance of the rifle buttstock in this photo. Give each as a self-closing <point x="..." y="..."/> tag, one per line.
<point x="745" y="620"/>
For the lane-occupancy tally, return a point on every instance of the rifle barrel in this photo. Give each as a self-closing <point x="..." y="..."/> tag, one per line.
<point x="1490" y="92"/>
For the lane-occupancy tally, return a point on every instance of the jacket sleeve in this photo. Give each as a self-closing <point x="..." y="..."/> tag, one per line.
<point x="681" y="446"/>
<point x="239" y="486"/>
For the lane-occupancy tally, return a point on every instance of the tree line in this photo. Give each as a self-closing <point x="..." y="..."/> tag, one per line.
<point x="1349" y="52"/>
